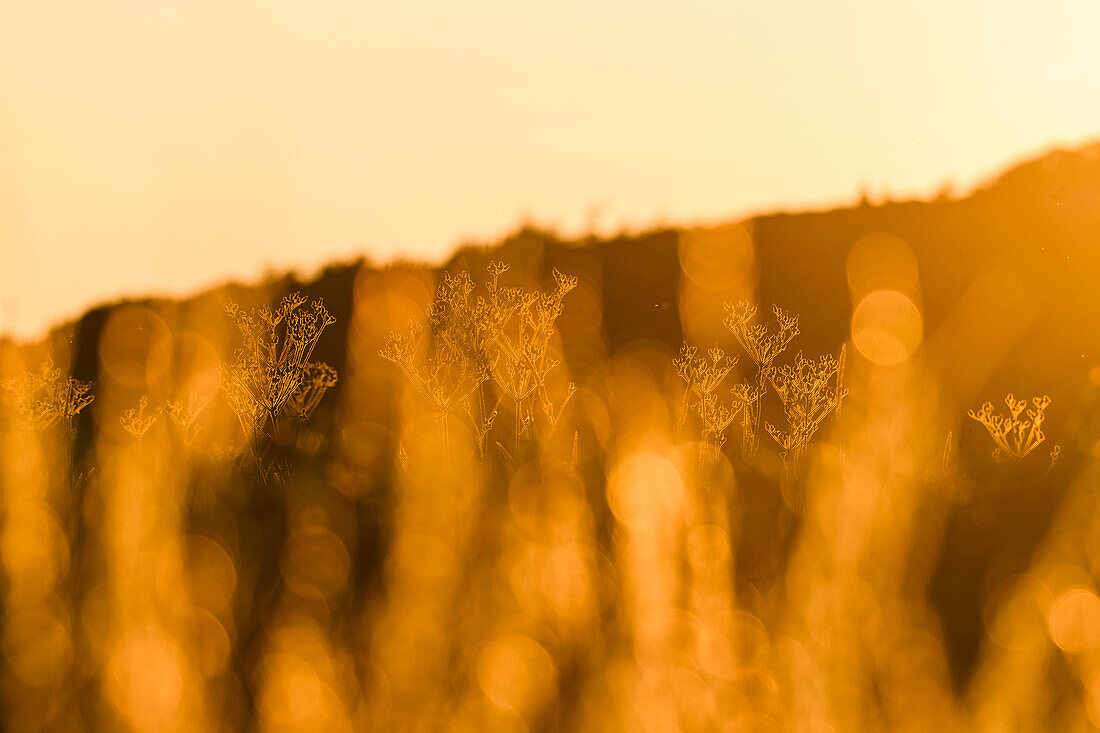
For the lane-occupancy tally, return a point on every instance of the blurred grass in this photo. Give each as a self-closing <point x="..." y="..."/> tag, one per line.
<point x="600" y="577"/>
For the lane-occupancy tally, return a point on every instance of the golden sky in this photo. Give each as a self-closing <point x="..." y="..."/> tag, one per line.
<point x="156" y="147"/>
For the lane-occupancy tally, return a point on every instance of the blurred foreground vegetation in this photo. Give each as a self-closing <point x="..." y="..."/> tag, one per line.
<point x="580" y="486"/>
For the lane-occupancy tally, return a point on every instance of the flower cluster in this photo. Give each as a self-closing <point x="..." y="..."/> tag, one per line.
<point x="272" y="368"/>
<point x="809" y="389"/>
<point x="136" y="422"/>
<point x="524" y="355"/>
<point x="317" y="378"/>
<point x="763" y="346"/>
<point x="47" y="398"/>
<point x="451" y="358"/>
<point x="501" y="337"/>
<point x="185" y="415"/>
<point x="1018" y="433"/>
<point x="702" y="377"/>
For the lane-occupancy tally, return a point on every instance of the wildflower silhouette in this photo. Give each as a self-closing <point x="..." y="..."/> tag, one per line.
<point x="763" y="347"/>
<point x="272" y="367"/>
<point x="136" y="422"/>
<point x="501" y="337"/>
<point x="453" y="357"/>
<point x="47" y="398"/>
<point x="185" y="415"/>
<point x="702" y="377"/>
<point x="1018" y="433"/>
<point x="810" y="390"/>
<point x="317" y="378"/>
<point x="524" y="354"/>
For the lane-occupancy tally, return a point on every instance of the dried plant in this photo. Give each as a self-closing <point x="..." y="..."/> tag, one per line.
<point x="810" y="391"/>
<point x="272" y="364"/>
<point x="136" y="422"/>
<point x="466" y="328"/>
<point x="760" y="344"/>
<point x="500" y="337"/>
<point x="317" y="378"/>
<point x="524" y="355"/>
<point x="495" y="311"/>
<point x="47" y="398"/>
<point x="185" y="416"/>
<point x="1018" y="433"/>
<point x="454" y="356"/>
<point x="702" y="377"/>
<point x="763" y="347"/>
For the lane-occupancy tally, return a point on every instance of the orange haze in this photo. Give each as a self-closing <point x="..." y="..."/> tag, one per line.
<point x="156" y="147"/>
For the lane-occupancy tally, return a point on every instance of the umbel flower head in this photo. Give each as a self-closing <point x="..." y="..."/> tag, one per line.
<point x="47" y="398"/>
<point x="762" y="345"/>
<point x="455" y="353"/>
<point x="810" y="391"/>
<point x="272" y="367"/>
<point x="702" y="377"/>
<point x="1018" y="433"/>
<point x="185" y="416"/>
<point x="523" y="349"/>
<point x="500" y="336"/>
<point x="317" y="378"/>
<point x="136" y="421"/>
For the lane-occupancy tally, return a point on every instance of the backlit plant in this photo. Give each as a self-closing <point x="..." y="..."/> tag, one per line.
<point x="703" y="375"/>
<point x="501" y="337"/>
<point x="317" y="378"/>
<point x="47" y="398"/>
<point x="524" y="356"/>
<point x="185" y="415"/>
<point x="136" y="421"/>
<point x="272" y="368"/>
<point x="763" y="347"/>
<point x="1018" y="433"/>
<point x="452" y="357"/>
<point x="810" y="390"/>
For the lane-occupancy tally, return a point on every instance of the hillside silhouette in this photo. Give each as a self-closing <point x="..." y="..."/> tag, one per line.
<point x="1034" y="229"/>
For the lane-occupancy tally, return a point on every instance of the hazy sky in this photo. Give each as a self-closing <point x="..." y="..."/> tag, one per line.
<point x="150" y="147"/>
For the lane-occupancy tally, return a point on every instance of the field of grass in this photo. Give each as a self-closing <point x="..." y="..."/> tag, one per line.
<point x="536" y="491"/>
